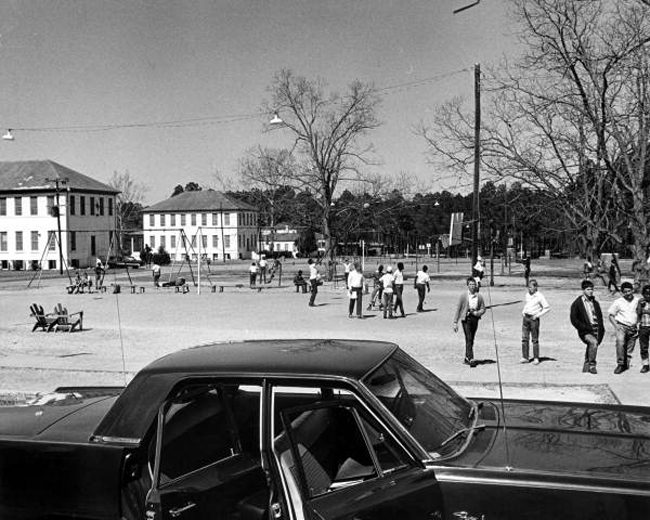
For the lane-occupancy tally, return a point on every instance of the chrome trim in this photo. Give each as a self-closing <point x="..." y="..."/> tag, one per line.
<point x="538" y="484"/>
<point x="105" y="439"/>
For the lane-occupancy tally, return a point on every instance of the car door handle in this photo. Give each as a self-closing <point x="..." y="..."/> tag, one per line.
<point x="178" y="511"/>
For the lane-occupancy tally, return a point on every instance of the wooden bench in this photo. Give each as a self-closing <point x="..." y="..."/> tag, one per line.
<point x="238" y="286"/>
<point x="136" y="288"/>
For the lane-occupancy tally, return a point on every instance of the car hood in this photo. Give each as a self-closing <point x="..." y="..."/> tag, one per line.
<point x="602" y="441"/>
<point x="67" y="421"/>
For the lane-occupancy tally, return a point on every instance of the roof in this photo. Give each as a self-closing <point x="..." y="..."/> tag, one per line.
<point x="34" y="175"/>
<point x="304" y="358"/>
<point x="204" y="200"/>
<point x="320" y="357"/>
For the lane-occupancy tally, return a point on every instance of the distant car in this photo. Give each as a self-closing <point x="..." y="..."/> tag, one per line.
<point x="123" y="261"/>
<point x="315" y="430"/>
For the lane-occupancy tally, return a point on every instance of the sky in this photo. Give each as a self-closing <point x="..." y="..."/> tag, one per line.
<point x="171" y="91"/>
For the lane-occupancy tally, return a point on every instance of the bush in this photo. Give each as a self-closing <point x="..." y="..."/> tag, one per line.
<point x="161" y="257"/>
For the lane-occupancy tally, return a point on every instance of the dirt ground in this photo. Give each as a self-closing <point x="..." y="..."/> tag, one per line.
<point x="123" y="332"/>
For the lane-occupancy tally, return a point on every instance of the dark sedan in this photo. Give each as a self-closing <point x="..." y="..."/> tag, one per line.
<point x="318" y="430"/>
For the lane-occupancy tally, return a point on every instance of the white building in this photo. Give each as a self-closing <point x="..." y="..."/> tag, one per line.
<point x="31" y="195"/>
<point x="203" y="222"/>
<point x="282" y="237"/>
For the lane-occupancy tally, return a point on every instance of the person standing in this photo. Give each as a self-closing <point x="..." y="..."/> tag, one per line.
<point x="377" y="288"/>
<point x="263" y="264"/>
<point x="643" y="314"/>
<point x="623" y="316"/>
<point x="399" y="288"/>
<point x="587" y="318"/>
<point x="387" y="281"/>
<point x="469" y="310"/>
<point x="314" y="282"/>
<point x="99" y="274"/>
<point x="587" y="269"/>
<point x="478" y="271"/>
<point x="614" y="271"/>
<point x="355" y="290"/>
<point x="526" y="262"/>
<point x="253" y="271"/>
<point x="347" y="267"/>
<point x="155" y="272"/>
<point x="421" y="283"/>
<point x="534" y="308"/>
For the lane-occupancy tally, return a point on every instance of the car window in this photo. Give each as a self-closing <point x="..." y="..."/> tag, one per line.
<point x="326" y="439"/>
<point x="206" y="424"/>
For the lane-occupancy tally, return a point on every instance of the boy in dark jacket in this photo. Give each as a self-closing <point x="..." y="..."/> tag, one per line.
<point x="587" y="318"/>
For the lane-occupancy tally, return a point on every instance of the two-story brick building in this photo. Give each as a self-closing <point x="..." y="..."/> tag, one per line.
<point x="203" y="222"/>
<point x="43" y="205"/>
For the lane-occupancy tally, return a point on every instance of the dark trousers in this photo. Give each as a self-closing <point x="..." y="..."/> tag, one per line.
<point x="422" y="290"/>
<point x="253" y="277"/>
<point x="591" y="340"/>
<point x="358" y="301"/>
<point x="644" y="339"/>
<point x="314" y="291"/>
<point x="625" y="340"/>
<point x="388" y="303"/>
<point x="529" y="329"/>
<point x="262" y="274"/>
<point x="399" y="299"/>
<point x="470" y="324"/>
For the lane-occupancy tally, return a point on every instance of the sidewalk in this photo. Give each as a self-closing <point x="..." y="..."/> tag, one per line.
<point x="123" y="332"/>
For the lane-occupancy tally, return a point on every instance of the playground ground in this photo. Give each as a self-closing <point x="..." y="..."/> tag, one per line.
<point x="123" y="332"/>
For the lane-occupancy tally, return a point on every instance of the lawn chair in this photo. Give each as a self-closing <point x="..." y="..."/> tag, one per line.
<point x="43" y="320"/>
<point x="65" y="321"/>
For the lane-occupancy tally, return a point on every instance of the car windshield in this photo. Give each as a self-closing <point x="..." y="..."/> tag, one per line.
<point x="429" y="409"/>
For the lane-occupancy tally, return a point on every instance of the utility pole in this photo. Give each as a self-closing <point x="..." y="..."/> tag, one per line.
<point x="477" y="159"/>
<point x="56" y="211"/>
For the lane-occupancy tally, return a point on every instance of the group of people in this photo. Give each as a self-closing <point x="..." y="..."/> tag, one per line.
<point x="629" y="315"/>
<point x="260" y="272"/>
<point x="590" y="270"/>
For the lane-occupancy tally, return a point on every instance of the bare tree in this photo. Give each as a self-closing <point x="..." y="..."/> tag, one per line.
<point x="571" y="116"/>
<point x="129" y="202"/>
<point x="327" y="131"/>
<point x="268" y="172"/>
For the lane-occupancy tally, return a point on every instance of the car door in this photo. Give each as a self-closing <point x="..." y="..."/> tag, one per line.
<point x="340" y="462"/>
<point x="207" y="460"/>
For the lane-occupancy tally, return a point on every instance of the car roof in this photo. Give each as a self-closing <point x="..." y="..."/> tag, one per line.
<point x="318" y="357"/>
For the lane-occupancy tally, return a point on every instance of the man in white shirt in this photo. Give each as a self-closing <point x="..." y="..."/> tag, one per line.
<point x="263" y="264"/>
<point x="534" y="308"/>
<point x="623" y="315"/>
<point x="355" y="290"/>
<point x="421" y="283"/>
<point x="387" y="283"/>
<point x="314" y="282"/>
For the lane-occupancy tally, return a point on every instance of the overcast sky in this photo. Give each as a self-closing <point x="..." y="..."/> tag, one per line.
<point x="67" y="66"/>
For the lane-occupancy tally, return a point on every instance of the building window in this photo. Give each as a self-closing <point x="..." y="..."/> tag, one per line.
<point x="152" y="220"/>
<point x="172" y="219"/>
<point x="73" y="241"/>
<point x="193" y="219"/>
<point x="93" y="245"/>
<point x="82" y="205"/>
<point x="152" y="242"/>
<point x="18" y="206"/>
<point x="101" y="206"/>
<point x="34" y="236"/>
<point x="193" y="241"/>
<point x="182" y="219"/>
<point x="3" y="206"/>
<point x="33" y="205"/>
<point x="172" y="241"/>
<point x="239" y="241"/>
<point x="3" y="241"/>
<point x="162" y="220"/>
<point x="110" y="206"/>
<point x="204" y="219"/>
<point x="215" y="240"/>
<point x="215" y="219"/>
<point x="72" y="209"/>
<point x="226" y="219"/>
<point x="163" y="241"/>
<point x="226" y="241"/>
<point x="19" y="240"/>
<point x="204" y="241"/>
<point x="92" y="207"/>
<point x="51" y="264"/>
